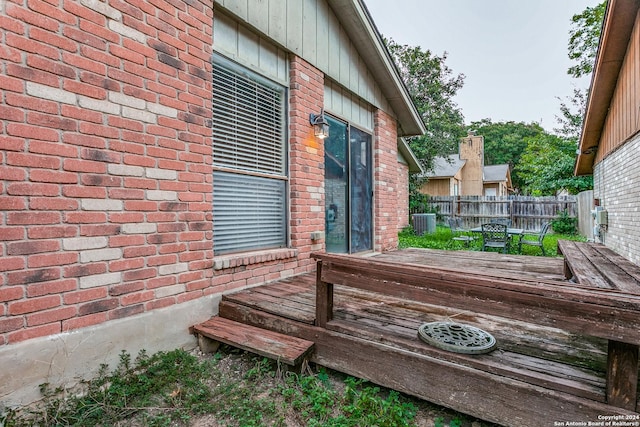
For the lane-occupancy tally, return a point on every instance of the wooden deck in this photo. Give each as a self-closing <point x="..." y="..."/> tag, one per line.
<point x="539" y="375"/>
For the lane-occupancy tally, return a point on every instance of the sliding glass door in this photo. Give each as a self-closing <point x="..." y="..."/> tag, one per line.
<point x="348" y="189"/>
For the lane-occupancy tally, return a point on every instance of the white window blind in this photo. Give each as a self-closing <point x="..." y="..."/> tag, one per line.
<point x="248" y="212"/>
<point x="248" y="121"/>
<point x="249" y="158"/>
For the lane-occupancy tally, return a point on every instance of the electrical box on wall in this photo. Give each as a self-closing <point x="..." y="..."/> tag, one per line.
<point x="602" y="217"/>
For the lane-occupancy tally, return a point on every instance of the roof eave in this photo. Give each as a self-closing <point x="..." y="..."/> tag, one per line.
<point x="414" y="164"/>
<point x="618" y="24"/>
<point x="358" y="23"/>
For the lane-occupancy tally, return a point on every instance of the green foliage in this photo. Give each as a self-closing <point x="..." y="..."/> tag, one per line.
<point x="360" y="404"/>
<point x="546" y="167"/>
<point x="432" y="86"/>
<point x="570" y="120"/>
<point x="565" y="224"/>
<point x="584" y="37"/>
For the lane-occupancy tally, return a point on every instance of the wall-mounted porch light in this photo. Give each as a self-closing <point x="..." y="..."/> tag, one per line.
<point x="320" y="124"/>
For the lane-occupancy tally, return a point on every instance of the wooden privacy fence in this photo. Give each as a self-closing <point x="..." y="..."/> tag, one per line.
<point x="526" y="212"/>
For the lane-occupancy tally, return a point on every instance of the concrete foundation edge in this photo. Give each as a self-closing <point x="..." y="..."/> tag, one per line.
<point x="65" y="359"/>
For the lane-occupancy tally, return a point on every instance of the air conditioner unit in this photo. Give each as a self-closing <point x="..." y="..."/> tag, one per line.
<point x="424" y="223"/>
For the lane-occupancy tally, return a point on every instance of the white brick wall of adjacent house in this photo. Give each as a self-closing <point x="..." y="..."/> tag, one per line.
<point x="615" y="182"/>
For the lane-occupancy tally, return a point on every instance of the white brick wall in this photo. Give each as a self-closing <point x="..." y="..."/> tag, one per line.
<point x="616" y="182"/>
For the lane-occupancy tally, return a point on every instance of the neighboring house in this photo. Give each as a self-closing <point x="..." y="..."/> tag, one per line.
<point x="155" y="156"/>
<point x="497" y="180"/>
<point x="464" y="174"/>
<point x="610" y="142"/>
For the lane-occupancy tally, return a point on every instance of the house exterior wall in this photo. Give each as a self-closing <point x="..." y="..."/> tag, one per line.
<point x="385" y="182"/>
<point x="615" y="179"/>
<point x="344" y="104"/>
<point x="438" y="187"/>
<point x="500" y="188"/>
<point x="403" y="195"/>
<point x="106" y="183"/>
<point x="310" y="29"/>
<point x="106" y="164"/>
<point x="623" y="119"/>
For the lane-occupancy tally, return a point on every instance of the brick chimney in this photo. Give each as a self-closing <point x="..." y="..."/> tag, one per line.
<point x="471" y="149"/>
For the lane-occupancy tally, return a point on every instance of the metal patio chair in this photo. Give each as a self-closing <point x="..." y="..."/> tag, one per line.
<point x="495" y="236"/>
<point x="535" y="239"/>
<point x="458" y="233"/>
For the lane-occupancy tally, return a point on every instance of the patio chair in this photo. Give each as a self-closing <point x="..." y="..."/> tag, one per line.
<point x="495" y="236"/>
<point x="458" y="233"/>
<point x="535" y="239"/>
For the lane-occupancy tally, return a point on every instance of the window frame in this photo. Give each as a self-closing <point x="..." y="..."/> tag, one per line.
<point x="243" y="169"/>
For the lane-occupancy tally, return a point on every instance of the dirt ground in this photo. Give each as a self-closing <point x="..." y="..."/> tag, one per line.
<point x="235" y="364"/>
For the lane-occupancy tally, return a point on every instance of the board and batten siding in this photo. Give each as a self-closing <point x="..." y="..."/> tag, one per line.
<point x="623" y="120"/>
<point x="308" y="29"/>
<point x="242" y="45"/>
<point x="347" y="106"/>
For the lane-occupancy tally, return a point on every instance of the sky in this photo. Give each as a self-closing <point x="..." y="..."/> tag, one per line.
<point x="512" y="52"/>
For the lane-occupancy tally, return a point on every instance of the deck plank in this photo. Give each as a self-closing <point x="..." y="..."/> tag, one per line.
<point x="507" y="401"/>
<point x="517" y="336"/>
<point x="274" y="345"/>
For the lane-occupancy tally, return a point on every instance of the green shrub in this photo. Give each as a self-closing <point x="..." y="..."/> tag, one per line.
<point x="565" y="224"/>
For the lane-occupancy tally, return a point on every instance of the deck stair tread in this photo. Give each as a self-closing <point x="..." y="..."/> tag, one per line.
<point x="274" y="345"/>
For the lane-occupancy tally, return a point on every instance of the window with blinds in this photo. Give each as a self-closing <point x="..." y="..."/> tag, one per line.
<point x="249" y="159"/>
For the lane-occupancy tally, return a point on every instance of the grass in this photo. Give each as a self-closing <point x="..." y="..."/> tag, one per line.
<point x="230" y="388"/>
<point x="441" y="239"/>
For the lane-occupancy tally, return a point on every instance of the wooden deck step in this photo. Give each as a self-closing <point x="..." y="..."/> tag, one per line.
<point x="274" y="345"/>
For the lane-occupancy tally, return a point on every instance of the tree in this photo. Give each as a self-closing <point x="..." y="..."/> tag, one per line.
<point x="432" y="86"/>
<point x="571" y="116"/>
<point x="504" y="142"/>
<point x="546" y="166"/>
<point x="584" y="37"/>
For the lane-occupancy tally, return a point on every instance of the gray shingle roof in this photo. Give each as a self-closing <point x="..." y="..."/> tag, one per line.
<point x="446" y="166"/>
<point x="495" y="173"/>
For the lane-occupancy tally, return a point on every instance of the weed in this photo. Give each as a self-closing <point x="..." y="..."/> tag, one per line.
<point x="231" y="388"/>
<point x="166" y="387"/>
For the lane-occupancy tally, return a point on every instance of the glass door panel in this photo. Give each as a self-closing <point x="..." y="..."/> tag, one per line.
<point x="336" y="187"/>
<point x="361" y="191"/>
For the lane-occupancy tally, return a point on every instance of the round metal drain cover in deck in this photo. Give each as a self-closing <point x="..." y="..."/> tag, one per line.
<point x="457" y="338"/>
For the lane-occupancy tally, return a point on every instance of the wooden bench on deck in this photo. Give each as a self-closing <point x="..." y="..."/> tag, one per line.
<point x="596" y="266"/>
<point x="612" y="314"/>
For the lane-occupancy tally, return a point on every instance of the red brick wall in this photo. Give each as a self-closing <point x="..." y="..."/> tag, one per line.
<point x="403" y="195"/>
<point x="306" y="160"/>
<point x="106" y="168"/>
<point x="386" y="182"/>
<point x="105" y="161"/>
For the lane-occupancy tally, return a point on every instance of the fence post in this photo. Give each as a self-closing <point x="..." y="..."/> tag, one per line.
<point x="511" y="213"/>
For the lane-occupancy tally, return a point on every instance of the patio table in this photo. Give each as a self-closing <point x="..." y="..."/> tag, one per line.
<point x="510" y="231"/>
